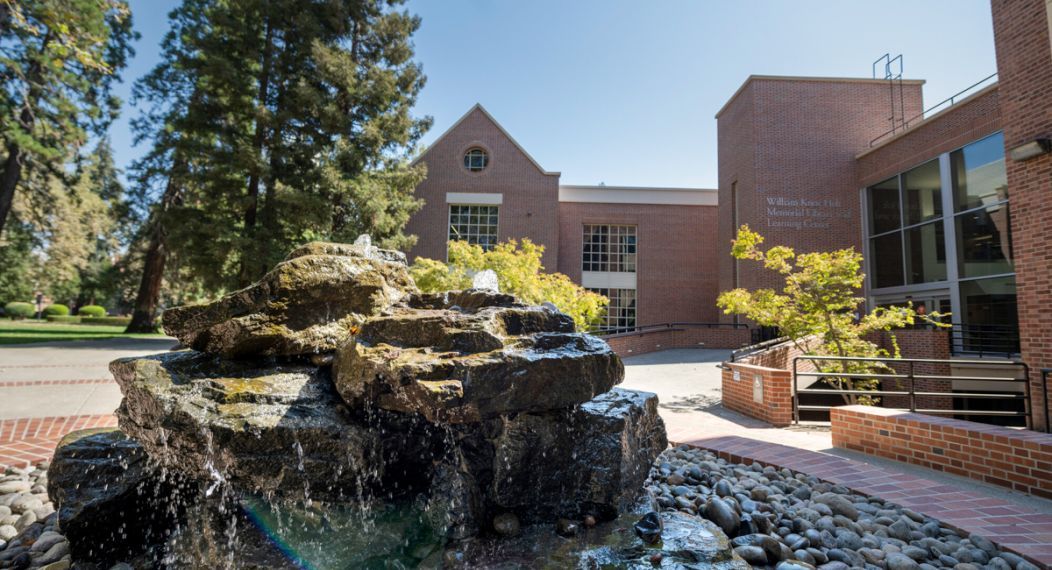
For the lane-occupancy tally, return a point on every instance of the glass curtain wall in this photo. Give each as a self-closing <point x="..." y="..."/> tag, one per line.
<point x="932" y="233"/>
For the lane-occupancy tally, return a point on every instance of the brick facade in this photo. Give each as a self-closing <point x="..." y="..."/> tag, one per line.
<point x="787" y="148"/>
<point x="674" y="277"/>
<point x="1019" y="460"/>
<point x="530" y="194"/>
<point x="973" y="118"/>
<point x="1024" y="65"/>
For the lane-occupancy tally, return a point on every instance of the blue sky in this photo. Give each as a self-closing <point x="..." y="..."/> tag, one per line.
<point x="626" y="92"/>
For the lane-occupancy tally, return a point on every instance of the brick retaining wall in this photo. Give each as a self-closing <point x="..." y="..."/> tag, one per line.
<point x="759" y="392"/>
<point x="631" y="344"/>
<point x="1016" y="459"/>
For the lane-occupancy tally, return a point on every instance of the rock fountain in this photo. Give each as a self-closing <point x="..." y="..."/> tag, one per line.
<point x="332" y="416"/>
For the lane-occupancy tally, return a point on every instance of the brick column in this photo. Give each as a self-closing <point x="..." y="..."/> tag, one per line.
<point x="1024" y="65"/>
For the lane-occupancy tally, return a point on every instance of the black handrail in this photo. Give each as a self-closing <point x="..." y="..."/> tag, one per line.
<point x="1044" y="396"/>
<point x="754" y="348"/>
<point x="984" y="340"/>
<point x="911" y="390"/>
<point x="646" y="329"/>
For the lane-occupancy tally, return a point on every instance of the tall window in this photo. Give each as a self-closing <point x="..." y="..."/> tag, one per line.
<point x="906" y="244"/>
<point x="609" y="248"/>
<point x="621" y="313"/>
<point x="984" y="241"/>
<point x="473" y="224"/>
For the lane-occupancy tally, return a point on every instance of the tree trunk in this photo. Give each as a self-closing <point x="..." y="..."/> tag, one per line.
<point x="250" y="256"/>
<point x="149" y="296"/>
<point x="9" y="181"/>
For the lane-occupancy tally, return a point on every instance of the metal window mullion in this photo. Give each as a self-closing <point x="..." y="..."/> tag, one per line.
<point x="949" y="236"/>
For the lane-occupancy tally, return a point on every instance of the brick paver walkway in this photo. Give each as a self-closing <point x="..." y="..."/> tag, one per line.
<point x="28" y="441"/>
<point x="1025" y="532"/>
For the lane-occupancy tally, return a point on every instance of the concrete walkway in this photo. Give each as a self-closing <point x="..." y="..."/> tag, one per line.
<point x="68" y="378"/>
<point x="50" y="389"/>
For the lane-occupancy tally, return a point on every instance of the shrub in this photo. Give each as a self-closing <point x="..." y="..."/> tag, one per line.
<point x="19" y="310"/>
<point x="110" y="321"/>
<point x="63" y="319"/>
<point x="56" y="310"/>
<point x="92" y="311"/>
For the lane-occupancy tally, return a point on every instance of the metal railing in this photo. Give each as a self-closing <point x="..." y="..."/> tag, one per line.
<point x="984" y="340"/>
<point x="948" y="102"/>
<point x="666" y="327"/>
<point x="1044" y="397"/>
<point x="904" y="385"/>
<point x="744" y="351"/>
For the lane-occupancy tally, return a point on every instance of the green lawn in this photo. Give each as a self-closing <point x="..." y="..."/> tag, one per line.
<point x="22" y="332"/>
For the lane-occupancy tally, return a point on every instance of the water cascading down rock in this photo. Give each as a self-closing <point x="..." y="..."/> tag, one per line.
<point x="332" y="381"/>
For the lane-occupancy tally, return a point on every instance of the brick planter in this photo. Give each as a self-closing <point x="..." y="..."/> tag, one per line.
<point x="1015" y="459"/>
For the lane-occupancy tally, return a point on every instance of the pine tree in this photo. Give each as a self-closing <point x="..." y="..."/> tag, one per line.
<point x="58" y="61"/>
<point x="292" y="123"/>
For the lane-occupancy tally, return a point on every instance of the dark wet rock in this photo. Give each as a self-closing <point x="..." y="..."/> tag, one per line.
<point x="506" y="524"/>
<point x="648" y="528"/>
<point x="452" y="365"/>
<point x="718" y="511"/>
<point x="261" y="427"/>
<point x="752" y="554"/>
<point x="307" y="304"/>
<point x="838" y="504"/>
<point x="899" y="561"/>
<point x="111" y="502"/>
<point x="589" y="460"/>
<point x="566" y="527"/>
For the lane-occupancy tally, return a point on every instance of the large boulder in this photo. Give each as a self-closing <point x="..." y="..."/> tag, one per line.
<point x="111" y="502"/>
<point x="467" y="356"/>
<point x="309" y="303"/>
<point x="263" y="427"/>
<point x="588" y="460"/>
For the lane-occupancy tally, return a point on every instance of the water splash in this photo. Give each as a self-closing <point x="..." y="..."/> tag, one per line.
<point x="486" y="280"/>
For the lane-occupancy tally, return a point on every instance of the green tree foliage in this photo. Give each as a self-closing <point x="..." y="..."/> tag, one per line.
<point x="275" y="122"/>
<point x="16" y="262"/>
<point x="58" y="61"/>
<point x="519" y="272"/>
<point x="820" y="299"/>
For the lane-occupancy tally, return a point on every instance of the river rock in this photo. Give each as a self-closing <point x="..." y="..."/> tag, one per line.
<point x="111" y="503"/>
<point x="309" y="303"/>
<point x="263" y="427"/>
<point x="471" y="356"/>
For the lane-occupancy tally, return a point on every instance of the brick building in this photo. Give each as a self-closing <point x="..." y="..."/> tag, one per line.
<point x="950" y="205"/>
<point x="648" y="249"/>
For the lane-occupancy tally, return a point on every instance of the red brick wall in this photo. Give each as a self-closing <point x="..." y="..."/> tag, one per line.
<point x="531" y="197"/>
<point x="1024" y="66"/>
<point x="973" y="118"/>
<point x="630" y="344"/>
<point x="1019" y="460"/>
<point x="776" y="405"/>
<point x="796" y="139"/>
<point x="675" y="280"/>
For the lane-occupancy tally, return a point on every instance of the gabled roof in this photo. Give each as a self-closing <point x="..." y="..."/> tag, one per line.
<point x="480" y="108"/>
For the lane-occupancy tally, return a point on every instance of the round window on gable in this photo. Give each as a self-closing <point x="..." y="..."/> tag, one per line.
<point x="476" y="160"/>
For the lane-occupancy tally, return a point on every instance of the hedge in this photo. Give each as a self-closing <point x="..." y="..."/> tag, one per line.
<point x="111" y="321"/>
<point x="63" y="319"/>
<point x="19" y="310"/>
<point x="56" y="310"/>
<point x="92" y="311"/>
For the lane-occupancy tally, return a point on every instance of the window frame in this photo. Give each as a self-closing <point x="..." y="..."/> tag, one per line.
<point x="473" y="237"/>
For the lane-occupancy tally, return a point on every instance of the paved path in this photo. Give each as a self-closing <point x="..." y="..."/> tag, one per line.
<point x="687" y="382"/>
<point x="49" y="389"/>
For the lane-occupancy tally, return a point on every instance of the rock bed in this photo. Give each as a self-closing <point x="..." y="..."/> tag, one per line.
<point x="792" y="521"/>
<point x="27" y="522"/>
<point x="776" y="518"/>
